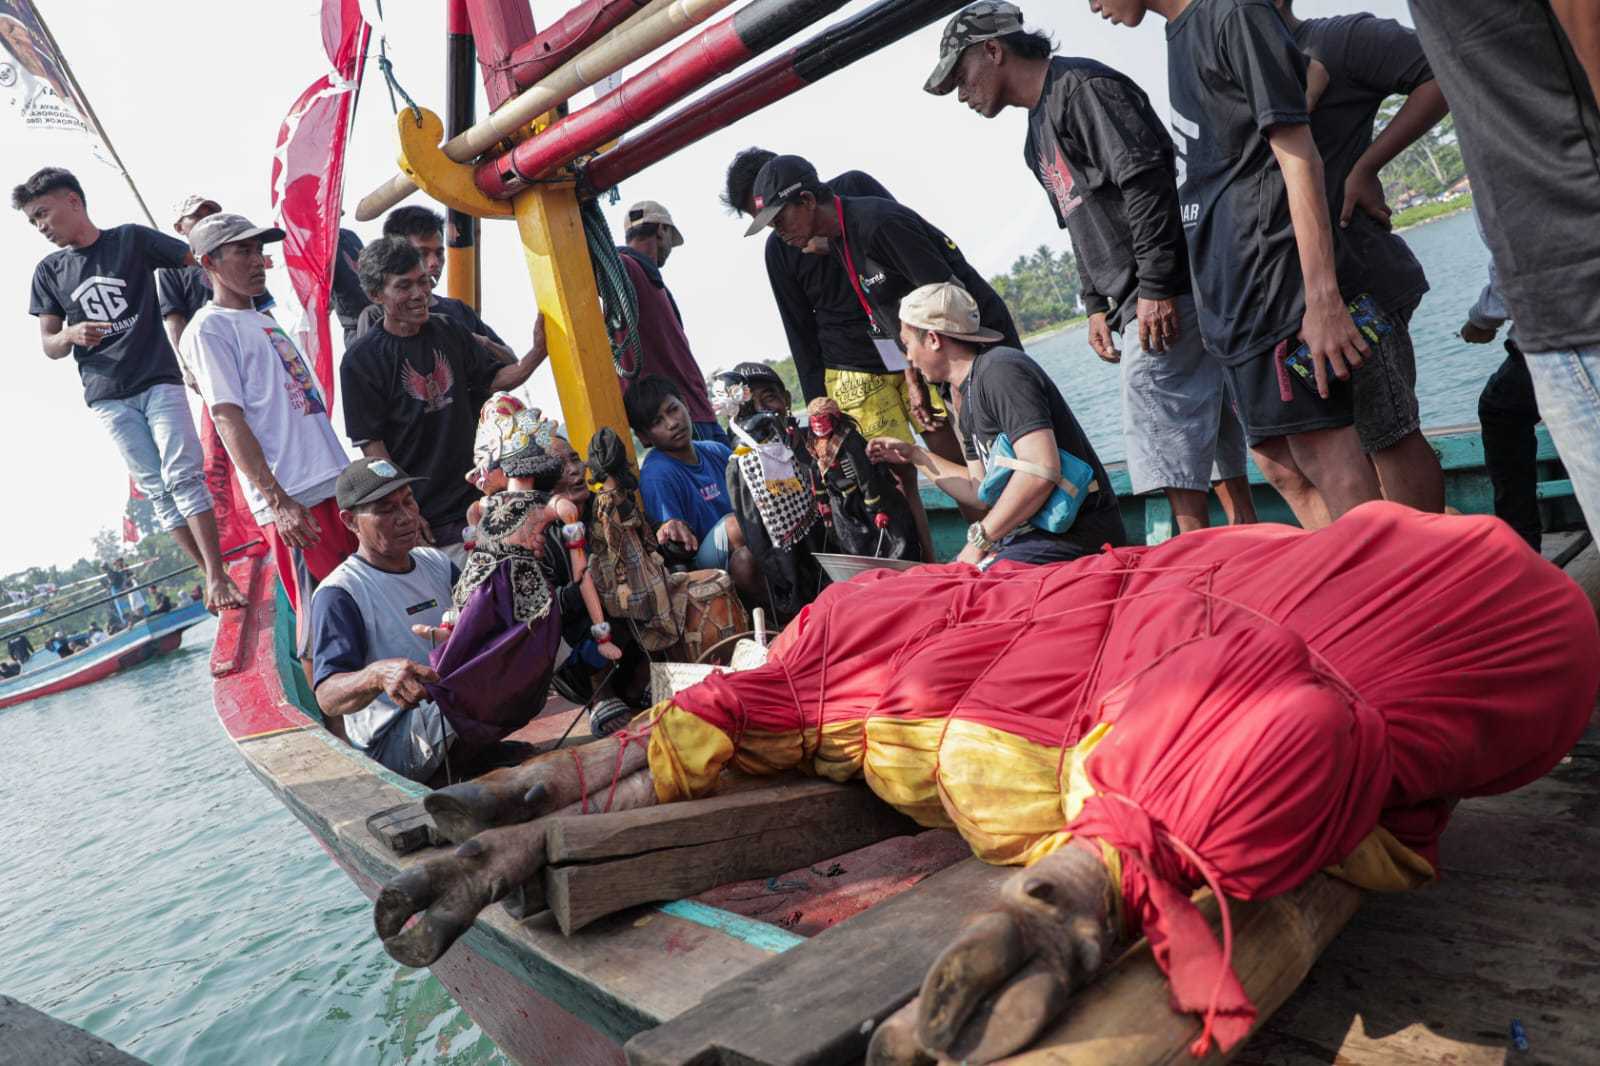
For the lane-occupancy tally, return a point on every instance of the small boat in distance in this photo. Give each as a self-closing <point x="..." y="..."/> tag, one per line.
<point x="46" y="673"/>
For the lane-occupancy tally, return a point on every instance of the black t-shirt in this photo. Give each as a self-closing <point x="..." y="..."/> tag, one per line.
<point x="1106" y="164"/>
<point x="348" y="297"/>
<point x="821" y="315"/>
<point x="113" y="281"/>
<point x="1007" y="392"/>
<point x="1368" y="59"/>
<point x="457" y="311"/>
<point x="1234" y="72"/>
<point x="895" y="250"/>
<point x="187" y="289"/>
<point x="420" y="396"/>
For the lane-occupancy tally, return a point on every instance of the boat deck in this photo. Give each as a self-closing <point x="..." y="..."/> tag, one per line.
<point x="1435" y="976"/>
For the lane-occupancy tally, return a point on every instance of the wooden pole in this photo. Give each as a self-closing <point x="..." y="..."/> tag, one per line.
<point x="563" y="283"/>
<point x="94" y="120"/>
<point x="461" y="229"/>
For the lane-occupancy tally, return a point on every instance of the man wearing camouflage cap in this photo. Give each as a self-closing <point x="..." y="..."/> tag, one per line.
<point x="1107" y="167"/>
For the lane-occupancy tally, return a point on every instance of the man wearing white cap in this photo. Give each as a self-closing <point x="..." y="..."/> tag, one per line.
<point x="269" y="411"/>
<point x="651" y="236"/>
<point x="1007" y="403"/>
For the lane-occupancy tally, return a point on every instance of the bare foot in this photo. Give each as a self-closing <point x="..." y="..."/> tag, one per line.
<point x="544" y="784"/>
<point x="1010" y="970"/>
<point x="222" y="594"/>
<point x="444" y="894"/>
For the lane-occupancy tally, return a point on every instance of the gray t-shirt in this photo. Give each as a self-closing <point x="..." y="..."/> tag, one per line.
<point x="359" y="615"/>
<point x="1530" y="136"/>
<point x="1368" y="59"/>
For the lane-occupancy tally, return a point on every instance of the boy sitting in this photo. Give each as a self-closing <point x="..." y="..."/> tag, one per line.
<point x="682" y="481"/>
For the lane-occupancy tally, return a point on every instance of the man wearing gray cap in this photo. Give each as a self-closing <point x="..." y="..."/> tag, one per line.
<point x="1107" y="167"/>
<point x="268" y="409"/>
<point x="182" y="291"/>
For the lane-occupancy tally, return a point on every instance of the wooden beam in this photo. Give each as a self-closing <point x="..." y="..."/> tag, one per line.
<point x="817" y="1003"/>
<point x="563" y="283"/>
<point x="1126" y="1018"/>
<point x="32" y="1038"/>
<point x="603" y="863"/>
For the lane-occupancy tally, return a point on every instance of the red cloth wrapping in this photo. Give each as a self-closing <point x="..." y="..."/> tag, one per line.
<point x="1274" y="695"/>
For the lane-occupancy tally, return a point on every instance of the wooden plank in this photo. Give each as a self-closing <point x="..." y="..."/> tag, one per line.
<point x="724" y="816"/>
<point x="817" y="1003"/>
<point x="32" y="1038"/>
<point x="690" y="847"/>
<point x="1510" y="931"/>
<point x="1125" y="1018"/>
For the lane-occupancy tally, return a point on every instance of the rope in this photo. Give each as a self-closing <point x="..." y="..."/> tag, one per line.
<point x="387" y="66"/>
<point x="619" y="304"/>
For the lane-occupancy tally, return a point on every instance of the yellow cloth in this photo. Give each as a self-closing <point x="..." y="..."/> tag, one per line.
<point x="880" y="403"/>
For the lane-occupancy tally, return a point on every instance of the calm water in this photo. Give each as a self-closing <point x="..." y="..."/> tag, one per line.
<point x="154" y="893"/>
<point x="1450" y="372"/>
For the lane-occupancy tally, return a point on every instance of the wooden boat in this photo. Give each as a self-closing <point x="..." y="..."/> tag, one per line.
<point x="46" y="672"/>
<point x="759" y="971"/>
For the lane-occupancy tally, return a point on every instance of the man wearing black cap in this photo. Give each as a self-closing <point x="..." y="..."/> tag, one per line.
<point x="370" y="668"/>
<point x="1107" y="166"/>
<point x="886" y="249"/>
<point x="269" y="410"/>
<point x="830" y="336"/>
<point x="182" y="291"/>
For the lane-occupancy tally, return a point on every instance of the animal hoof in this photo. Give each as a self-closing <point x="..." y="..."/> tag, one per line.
<point x="989" y="950"/>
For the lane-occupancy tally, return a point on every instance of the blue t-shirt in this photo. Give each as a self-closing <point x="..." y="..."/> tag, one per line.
<point x="696" y="494"/>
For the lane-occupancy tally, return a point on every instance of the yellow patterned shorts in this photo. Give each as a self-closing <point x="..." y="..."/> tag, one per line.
<point x="880" y="403"/>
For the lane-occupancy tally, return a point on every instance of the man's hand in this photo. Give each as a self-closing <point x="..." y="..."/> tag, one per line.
<point x="922" y="413"/>
<point x="402" y="680"/>
<point x="676" y="531"/>
<point x="434" y="635"/>
<point x="1335" y="342"/>
<point x="1475" y="334"/>
<point x="87" y="334"/>
<point x="891" y="450"/>
<point x="1363" y="189"/>
<point x="1100" y="338"/>
<point x="1158" y="324"/>
<point x="971" y="553"/>
<point x="296" y="526"/>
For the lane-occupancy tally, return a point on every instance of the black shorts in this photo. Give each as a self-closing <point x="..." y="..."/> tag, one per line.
<point x="1273" y="401"/>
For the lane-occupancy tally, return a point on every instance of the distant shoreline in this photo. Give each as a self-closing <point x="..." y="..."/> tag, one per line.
<point x="1430" y="213"/>
<point x="1051" y="330"/>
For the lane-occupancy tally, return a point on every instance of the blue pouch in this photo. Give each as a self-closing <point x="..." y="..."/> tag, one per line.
<point x="1060" y="510"/>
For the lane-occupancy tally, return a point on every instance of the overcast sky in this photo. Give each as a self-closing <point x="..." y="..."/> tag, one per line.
<point x="192" y="93"/>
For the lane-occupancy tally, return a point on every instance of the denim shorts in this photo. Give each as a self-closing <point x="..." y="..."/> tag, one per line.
<point x="1178" y="415"/>
<point x="1384" y="387"/>
<point x="714" y="548"/>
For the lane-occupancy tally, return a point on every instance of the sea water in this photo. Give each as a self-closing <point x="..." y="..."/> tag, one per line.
<point x="1450" y="372"/>
<point x="155" y="893"/>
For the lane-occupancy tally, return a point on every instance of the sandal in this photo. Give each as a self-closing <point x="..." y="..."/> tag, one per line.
<point x="607" y="716"/>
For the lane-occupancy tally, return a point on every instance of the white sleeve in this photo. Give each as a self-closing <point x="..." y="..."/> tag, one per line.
<point x="212" y="348"/>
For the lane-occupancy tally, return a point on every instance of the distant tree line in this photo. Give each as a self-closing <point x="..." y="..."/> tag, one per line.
<point x="1041" y="289"/>
<point x="1429" y="167"/>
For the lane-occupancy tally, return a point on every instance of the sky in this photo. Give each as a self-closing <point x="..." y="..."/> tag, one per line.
<point x="192" y="98"/>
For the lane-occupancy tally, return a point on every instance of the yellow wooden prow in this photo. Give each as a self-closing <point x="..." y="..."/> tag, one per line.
<point x="551" y="229"/>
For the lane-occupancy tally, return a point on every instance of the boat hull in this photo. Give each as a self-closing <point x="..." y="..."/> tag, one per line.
<point x="156" y="635"/>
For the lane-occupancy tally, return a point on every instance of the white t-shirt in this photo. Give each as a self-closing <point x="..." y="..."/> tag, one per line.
<point x="246" y="359"/>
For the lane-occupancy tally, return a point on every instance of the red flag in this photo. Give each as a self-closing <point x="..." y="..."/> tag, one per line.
<point x="308" y="177"/>
<point x="130" y="531"/>
<point x="133" y="490"/>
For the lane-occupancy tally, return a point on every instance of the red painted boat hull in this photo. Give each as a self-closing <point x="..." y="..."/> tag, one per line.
<point x="99" y="665"/>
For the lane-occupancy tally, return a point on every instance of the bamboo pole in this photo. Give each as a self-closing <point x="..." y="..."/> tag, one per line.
<point x="656" y="23"/>
<point x="94" y="120"/>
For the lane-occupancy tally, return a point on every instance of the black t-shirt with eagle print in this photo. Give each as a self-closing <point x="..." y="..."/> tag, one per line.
<point x="1106" y="163"/>
<point x="420" y="396"/>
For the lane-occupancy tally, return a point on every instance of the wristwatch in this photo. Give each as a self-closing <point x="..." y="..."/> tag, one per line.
<point x="978" y="538"/>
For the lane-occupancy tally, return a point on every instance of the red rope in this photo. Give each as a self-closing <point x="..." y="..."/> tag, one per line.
<point x="583" y="789"/>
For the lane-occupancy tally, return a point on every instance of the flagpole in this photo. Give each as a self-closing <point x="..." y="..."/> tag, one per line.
<point x="88" y="110"/>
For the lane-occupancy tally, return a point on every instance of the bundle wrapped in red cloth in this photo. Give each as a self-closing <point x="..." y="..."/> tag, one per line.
<point x="1237" y="706"/>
